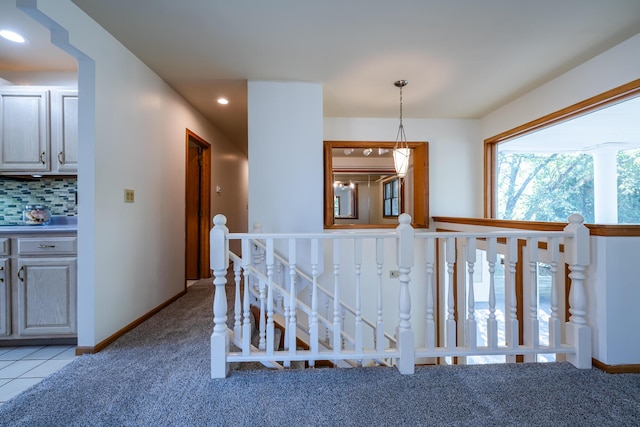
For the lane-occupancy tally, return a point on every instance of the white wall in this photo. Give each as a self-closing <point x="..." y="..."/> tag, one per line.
<point x="613" y="293"/>
<point x="285" y="152"/>
<point x="455" y="156"/>
<point x="613" y="68"/>
<point x="132" y="135"/>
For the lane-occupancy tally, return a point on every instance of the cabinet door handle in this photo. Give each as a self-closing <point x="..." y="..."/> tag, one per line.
<point x="21" y="274"/>
<point x="60" y="158"/>
<point x="42" y="158"/>
<point x="2" y="278"/>
<point x="46" y="246"/>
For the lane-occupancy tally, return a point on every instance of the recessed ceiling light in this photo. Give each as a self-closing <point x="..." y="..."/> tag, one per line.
<point x="12" y="36"/>
<point x="223" y="101"/>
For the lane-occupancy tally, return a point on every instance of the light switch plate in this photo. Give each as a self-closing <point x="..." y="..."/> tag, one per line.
<point x="129" y="195"/>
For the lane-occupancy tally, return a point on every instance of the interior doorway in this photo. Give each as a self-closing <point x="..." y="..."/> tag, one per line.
<point x="198" y="207"/>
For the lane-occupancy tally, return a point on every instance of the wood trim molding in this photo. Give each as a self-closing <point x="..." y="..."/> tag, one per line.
<point x="503" y="223"/>
<point x="595" y="102"/>
<point x="614" y="230"/>
<point x="616" y="369"/>
<point x="80" y="350"/>
<point x="490" y="166"/>
<point x="606" y="230"/>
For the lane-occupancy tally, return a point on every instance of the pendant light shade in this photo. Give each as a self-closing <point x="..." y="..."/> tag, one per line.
<point x="401" y="151"/>
<point x="401" y="161"/>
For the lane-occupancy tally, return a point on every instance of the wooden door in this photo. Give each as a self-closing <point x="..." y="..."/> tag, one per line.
<point x="194" y="210"/>
<point x="198" y="199"/>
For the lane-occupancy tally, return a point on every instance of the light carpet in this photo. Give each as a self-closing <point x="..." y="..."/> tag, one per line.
<point x="158" y="375"/>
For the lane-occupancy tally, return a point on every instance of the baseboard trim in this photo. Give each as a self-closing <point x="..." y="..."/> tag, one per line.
<point x="616" y="369"/>
<point x="80" y="350"/>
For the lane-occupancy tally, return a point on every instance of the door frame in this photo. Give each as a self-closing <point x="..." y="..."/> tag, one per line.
<point x="205" y="202"/>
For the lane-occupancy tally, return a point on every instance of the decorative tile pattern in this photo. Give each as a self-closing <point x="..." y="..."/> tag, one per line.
<point x="59" y="194"/>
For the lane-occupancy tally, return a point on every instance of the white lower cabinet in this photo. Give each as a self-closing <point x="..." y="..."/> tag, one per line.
<point x="38" y="287"/>
<point x="46" y="296"/>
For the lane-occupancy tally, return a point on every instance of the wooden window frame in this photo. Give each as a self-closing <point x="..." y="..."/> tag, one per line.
<point x="613" y="96"/>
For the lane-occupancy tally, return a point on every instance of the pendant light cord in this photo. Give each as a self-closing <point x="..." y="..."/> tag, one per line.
<point x="400" y="105"/>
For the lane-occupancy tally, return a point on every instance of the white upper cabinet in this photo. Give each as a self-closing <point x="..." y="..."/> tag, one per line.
<point x="64" y="130"/>
<point x="38" y="131"/>
<point x="24" y="130"/>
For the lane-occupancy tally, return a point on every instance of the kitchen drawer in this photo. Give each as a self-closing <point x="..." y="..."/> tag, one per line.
<point x="4" y="246"/>
<point x="47" y="246"/>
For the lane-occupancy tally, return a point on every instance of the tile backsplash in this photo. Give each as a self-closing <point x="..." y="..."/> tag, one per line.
<point x="59" y="194"/>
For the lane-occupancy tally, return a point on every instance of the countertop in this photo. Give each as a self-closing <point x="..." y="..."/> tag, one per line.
<point x="58" y="224"/>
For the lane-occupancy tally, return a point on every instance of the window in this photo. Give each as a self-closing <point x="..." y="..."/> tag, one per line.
<point x="583" y="159"/>
<point x="391" y="198"/>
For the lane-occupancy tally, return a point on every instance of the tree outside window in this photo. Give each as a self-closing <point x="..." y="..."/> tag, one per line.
<point x="536" y="187"/>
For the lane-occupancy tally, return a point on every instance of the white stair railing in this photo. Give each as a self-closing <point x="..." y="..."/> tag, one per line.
<point x="301" y="281"/>
<point x="446" y="308"/>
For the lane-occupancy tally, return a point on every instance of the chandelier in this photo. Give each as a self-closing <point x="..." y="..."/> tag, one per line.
<point x="401" y="151"/>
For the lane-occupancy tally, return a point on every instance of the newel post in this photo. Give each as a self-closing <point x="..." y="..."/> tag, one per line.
<point x="577" y="252"/>
<point x="219" y="264"/>
<point x="404" y="333"/>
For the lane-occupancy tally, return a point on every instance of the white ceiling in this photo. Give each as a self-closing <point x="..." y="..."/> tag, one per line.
<point x="463" y="58"/>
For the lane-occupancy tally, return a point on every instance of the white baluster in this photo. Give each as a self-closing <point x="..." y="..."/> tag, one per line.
<point x="492" y="322"/>
<point x="512" y="326"/>
<point x="287" y="313"/>
<point x="219" y="260"/>
<point x="472" y="328"/>
<point x="405" y="335"/>
<point x="327" y="305"/>
<point x="343" y="312"/>
<point x="292" y="298"/>
<point x="577" y="250"/>
<point x="555" y="335"/>
<point x="337" y="340"/>
<point x="270" y="297"/>
<point x="450" y="257"/>
<point x="380" y="344"/>
<point x="257" y="252"/>
<point x="357" y="250"/>
<point x="237" y="308"/>
<point x="262" y="321"/>
<point x="313" y="321"/>
<point x="532" y="336"/>
<point x="246" y="311"/>
<point x="430" y="328"/>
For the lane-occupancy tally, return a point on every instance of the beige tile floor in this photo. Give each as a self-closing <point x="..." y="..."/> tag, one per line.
<point x="23" y="367"/>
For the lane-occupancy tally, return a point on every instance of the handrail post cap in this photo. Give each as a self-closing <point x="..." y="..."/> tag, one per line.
<point x="576" y="219"/>
<point x="219" y="219"/>
<point x="404" y="218"/>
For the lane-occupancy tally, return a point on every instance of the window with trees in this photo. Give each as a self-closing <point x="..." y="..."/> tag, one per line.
<point x="584" y="159"/>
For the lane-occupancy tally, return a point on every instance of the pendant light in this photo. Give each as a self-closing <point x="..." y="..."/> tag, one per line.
<point x="401" y="151"/>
